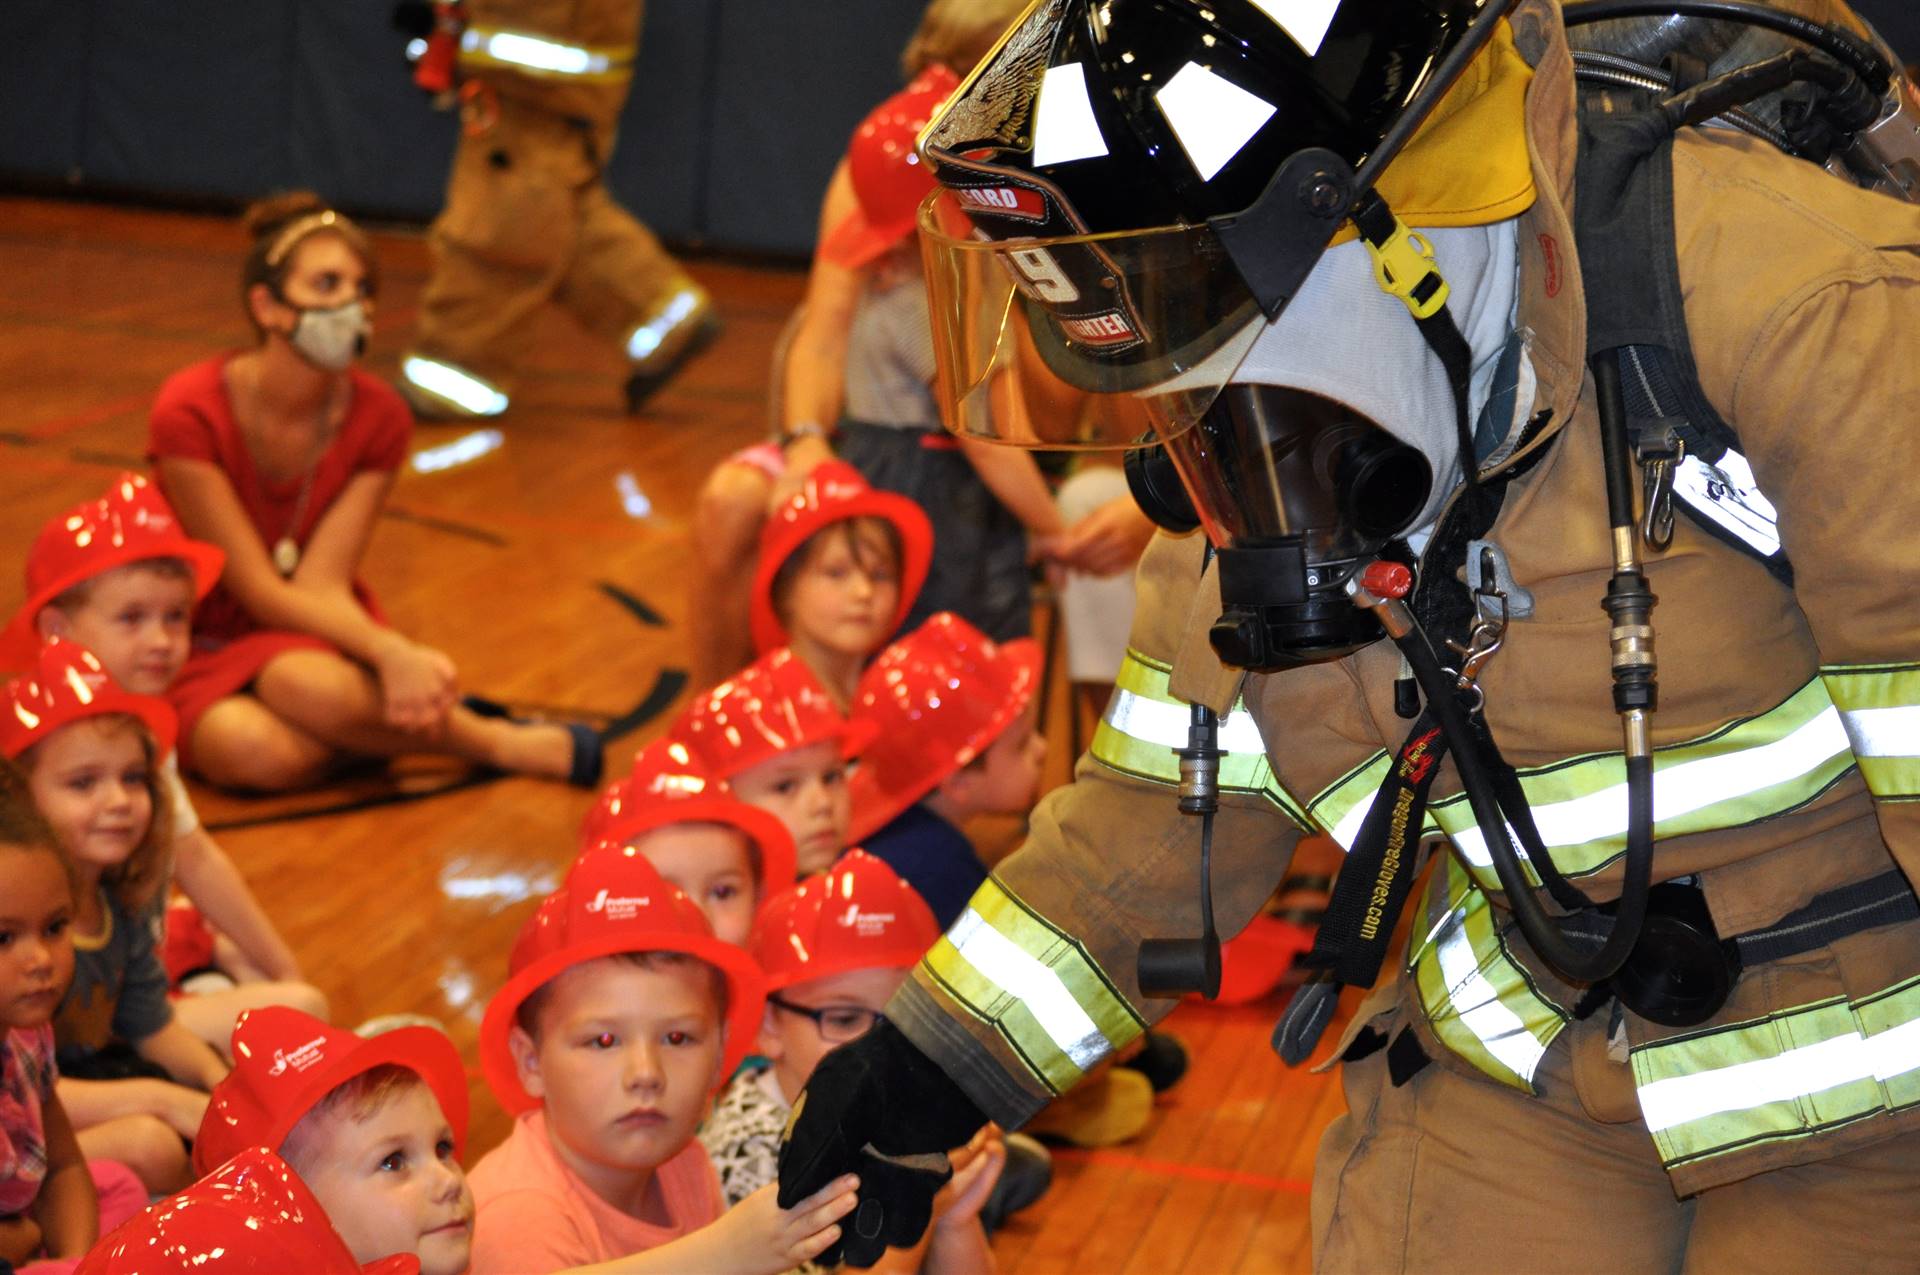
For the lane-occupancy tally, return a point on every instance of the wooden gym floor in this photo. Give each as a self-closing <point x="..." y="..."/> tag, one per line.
<point x="552" y="570"/>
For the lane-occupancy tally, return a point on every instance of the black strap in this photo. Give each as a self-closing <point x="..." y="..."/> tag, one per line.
<point x="1369" y="894"/>
<point x="1864" y="905"/>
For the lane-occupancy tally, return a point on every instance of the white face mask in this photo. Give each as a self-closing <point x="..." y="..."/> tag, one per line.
<point x="332" y="339"/>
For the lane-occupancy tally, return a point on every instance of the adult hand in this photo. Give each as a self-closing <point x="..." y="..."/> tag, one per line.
<point x="1106" y="541"/>
<point x="879" y="1108"/>
<point x="419" y="685"/>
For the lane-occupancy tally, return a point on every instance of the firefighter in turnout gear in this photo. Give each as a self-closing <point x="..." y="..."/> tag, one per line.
<point x="528" y="217"/>
<point x="1660" y="1005"/>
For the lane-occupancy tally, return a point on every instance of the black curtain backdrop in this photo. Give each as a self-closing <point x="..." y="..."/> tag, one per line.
<point x="739" y="110"/>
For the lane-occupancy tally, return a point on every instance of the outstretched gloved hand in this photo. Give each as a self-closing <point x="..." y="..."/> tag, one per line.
<point x="877" y="1107"/>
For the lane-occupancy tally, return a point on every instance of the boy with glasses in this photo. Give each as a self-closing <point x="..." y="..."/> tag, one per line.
<point x="833" y="949"/>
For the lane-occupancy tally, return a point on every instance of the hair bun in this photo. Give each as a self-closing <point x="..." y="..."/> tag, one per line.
<point x="265" y="218"/>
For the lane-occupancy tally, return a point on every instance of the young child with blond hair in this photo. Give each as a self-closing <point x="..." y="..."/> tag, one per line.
<point x="118" y="576"/>
<point x="620" y="1015"/>
<point x="90" y="751"/>
<point x="374" y="1127"/>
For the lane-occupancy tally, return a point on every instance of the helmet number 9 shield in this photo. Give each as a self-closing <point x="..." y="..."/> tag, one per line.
<point x="1041" y="277"/>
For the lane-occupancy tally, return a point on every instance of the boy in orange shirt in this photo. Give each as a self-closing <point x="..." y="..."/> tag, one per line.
<point x="621" y="1013"/>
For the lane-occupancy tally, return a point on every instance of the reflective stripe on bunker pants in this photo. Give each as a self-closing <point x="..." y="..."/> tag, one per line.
<point x="543" y="57"/>
<point x="1450" y="1173"/>
<point x="541" y="227"/>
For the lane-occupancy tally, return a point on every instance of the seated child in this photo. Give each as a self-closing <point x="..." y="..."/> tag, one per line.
<point x="952" y="712"/>
<point x="771" y="734"/>
<point x="620" y="1014"/>
<point x="374" y="1128"/>
<point x="52" y="1202"/>
<point x="840" y="565"/>
<point x="117" y="576"/>
<point x="726" y="855"/>
<point x="835" y="949"/>
<point x="252" y="1215"/>
<point x="134" y="1079"/>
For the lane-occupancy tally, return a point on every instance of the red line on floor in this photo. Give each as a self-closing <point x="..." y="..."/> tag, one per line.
<point x="1192" y="1172"/>
<point x="92" y="416"/>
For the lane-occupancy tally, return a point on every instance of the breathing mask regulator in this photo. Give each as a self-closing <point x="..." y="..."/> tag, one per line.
<point x="1133" y="195"/>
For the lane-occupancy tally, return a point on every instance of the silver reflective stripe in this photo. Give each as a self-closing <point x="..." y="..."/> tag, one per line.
<point x="1001" y="962"/>
<point x="1680" y="789"/>
<point x="535" y="53"/>
<point x="647" y="337"/>
<point x="1158" y="722"/>
<point x="1498" y="1028"/>
<point x="1809" y="1069"/>
<point x="462" y="389"/>
<point x="1728" y="496"/>
<point x="1884" y="732"/>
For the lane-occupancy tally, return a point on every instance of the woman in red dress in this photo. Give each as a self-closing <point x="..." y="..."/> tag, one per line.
<point x="283" y="455"/>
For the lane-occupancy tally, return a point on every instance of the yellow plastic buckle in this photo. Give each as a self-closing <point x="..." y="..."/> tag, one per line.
<point x="1403" y="267"/>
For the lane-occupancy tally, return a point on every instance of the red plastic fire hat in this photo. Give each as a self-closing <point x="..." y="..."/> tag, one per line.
<point x="666" y="788"/>
<point x="131" y="522"/>
<point x="252" y="1216"/>
<point x="835" y="492"/>
<point x="860" y="915"/>
<point x="939" y="696"/>
<point x="285" y="1062"/>
<point x="613" y="901"/>
<point x="66" y="684"/>
<point x="889" y="178"/>
<point x="772" y="706"/>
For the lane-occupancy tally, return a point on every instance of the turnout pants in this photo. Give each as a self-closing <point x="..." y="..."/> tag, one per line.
<point x="528" y="220"/>
<point x="1450" y="1172"/>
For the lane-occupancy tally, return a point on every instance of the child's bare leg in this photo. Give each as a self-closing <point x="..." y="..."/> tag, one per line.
<point x="727" y="518"/>
<point x="241" y="743"/>
<point x="144" y="1144"/>
<point x="211" y="1017"/>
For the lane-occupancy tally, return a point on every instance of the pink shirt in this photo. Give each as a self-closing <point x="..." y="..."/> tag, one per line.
<point x="26" y="1082"/>
<point x="535" y="1216"/>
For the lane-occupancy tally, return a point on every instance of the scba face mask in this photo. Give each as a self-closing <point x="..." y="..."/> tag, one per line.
<point x="1335" y="436"/>
<point x="1136" y="201"/>
<point x="331" y="339"/>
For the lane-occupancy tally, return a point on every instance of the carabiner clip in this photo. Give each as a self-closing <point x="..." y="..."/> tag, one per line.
<point x="1659" y="463"/>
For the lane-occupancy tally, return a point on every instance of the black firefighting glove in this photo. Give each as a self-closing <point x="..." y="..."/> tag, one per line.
<point x="880" y="1108"/>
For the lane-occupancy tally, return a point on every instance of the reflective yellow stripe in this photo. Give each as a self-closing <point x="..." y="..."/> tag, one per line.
<point x="1880" y="705"/>
<point x="1750" y="770"/>
<point x="1145" y="726"/>
<point x="1478" y="1000"/>
<point x="1792" y="1074"/>
<point x="545" y="58"/>
<point x="1038" y="987"/>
